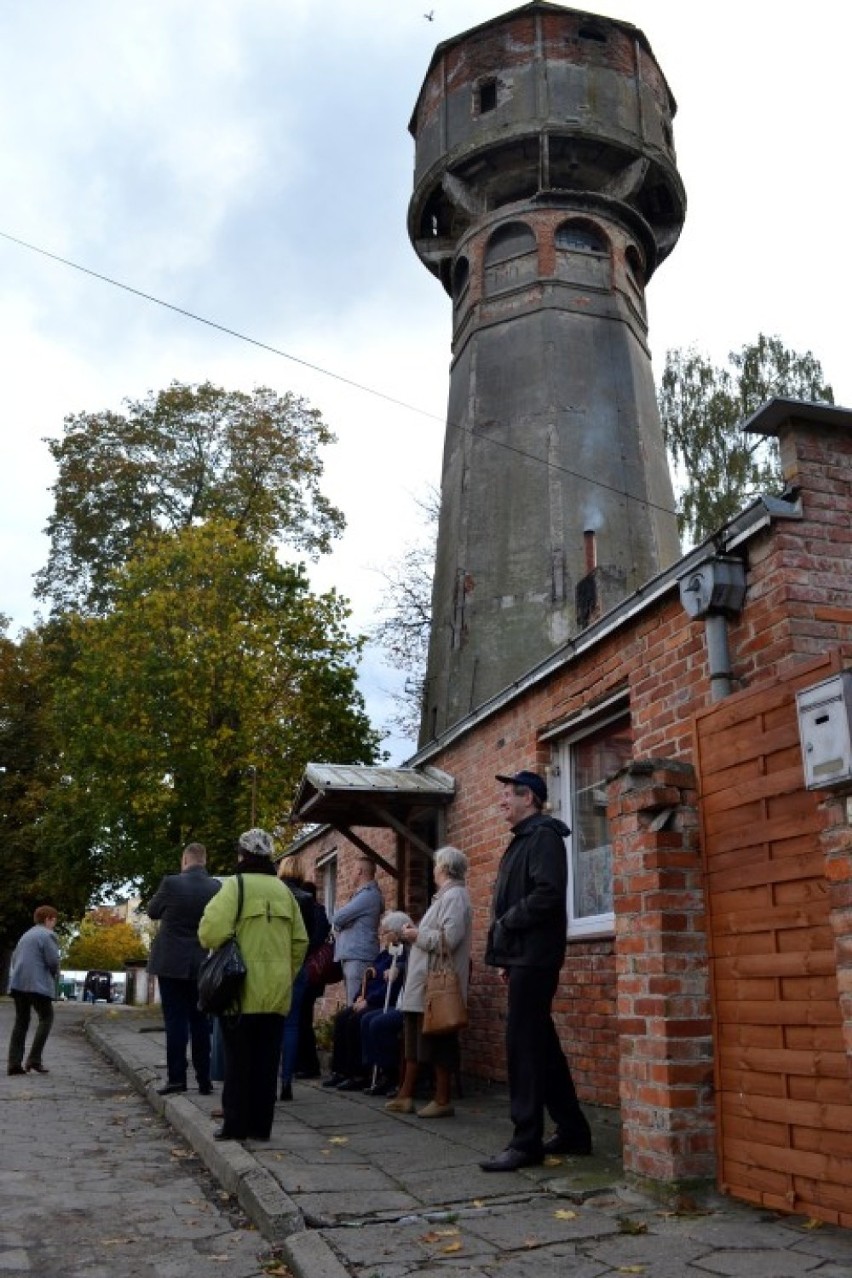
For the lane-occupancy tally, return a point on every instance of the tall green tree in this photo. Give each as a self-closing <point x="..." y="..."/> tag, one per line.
<point x="35" y="867"/>
<point x="191" y="707"/>
<point x="717" y="468"/>
<point x="173" y="460"/>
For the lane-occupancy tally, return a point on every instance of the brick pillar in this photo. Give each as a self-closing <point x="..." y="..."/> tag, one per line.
<point x="662" y="973"/>
<point x="836" y="841"/>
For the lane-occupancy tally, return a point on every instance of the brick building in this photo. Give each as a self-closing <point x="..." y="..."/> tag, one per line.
<point x="707" y="989"/>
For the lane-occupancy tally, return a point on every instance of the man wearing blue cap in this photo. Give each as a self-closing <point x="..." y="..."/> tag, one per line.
<point x="526" y="941"/>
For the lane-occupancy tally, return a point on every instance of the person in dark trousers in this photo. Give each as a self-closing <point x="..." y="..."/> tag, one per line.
<point x="261" y="910"/>
<point x="32" y="984"/>
<point x="291" y="872"/>
<point x="526" y="941"/>
<point x="307" y="1057"/>
<point x="176" y="955"/>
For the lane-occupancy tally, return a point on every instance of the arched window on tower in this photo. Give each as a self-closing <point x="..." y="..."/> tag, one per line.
<point x="635" y="269"/>
<point x="583" y="254"/>
<point x="461" y="279"/>
<point x="635" y="278"/>
<point x="580" y="236"/>
<point x="511" y="258"/>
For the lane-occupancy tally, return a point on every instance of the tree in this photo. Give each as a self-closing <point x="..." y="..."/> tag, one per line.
<point x="190" y="709"/>
<point x="105" y="944"/>
<point x="177" y="458"/>
<point x="405" y="617"/>
<point x="721" y="469"/>
<point x="36" y="868"/>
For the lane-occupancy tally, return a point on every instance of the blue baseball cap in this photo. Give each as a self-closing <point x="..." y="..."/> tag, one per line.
<point x="531" y="780"/>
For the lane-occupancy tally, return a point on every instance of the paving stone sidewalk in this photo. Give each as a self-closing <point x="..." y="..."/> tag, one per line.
<point x="345" y="1188"/>
<point x="94" y="1183"/>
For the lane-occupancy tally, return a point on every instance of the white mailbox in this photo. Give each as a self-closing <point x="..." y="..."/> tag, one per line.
<point x="825" y="731"/>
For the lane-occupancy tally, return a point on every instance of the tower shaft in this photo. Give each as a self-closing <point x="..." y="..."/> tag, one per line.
<point x="545" y="195"/>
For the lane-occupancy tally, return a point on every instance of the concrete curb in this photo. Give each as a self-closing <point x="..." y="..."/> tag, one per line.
<point x="310" y="1256"/>
<point x="261" y="1197"/>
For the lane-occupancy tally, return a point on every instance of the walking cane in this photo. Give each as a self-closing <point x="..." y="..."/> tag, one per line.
<point x="395" y="951"/>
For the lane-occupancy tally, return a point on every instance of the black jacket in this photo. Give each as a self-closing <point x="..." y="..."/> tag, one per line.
<point x="179" y="903"/>
<point x="529" y="920"/>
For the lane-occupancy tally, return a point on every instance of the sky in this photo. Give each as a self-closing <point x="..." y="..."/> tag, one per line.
<point x="249" y="161"/>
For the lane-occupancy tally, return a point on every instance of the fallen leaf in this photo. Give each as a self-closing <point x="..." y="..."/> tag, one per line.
<point x="529" y="1243"/>
<point x="564" y="1214"/>
<point x="338" y="1140"/>
<point x="813" y="1223"/>
<point x="478" y="1202"/>
<point x="449" y="1232"/>
<point x="631" y="1269"/>
<point x="117" y="1242"/>
<point x="552" y="1161"/>
<point x="456" y="1246"/>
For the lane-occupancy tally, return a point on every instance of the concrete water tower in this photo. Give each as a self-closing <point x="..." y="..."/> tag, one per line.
<point x="546" y="194"/>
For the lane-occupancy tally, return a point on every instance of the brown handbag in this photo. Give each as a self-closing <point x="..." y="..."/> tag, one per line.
<point x="444" y="1009"/>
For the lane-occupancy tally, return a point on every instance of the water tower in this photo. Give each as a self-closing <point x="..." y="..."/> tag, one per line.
<point x="546" y="194"/>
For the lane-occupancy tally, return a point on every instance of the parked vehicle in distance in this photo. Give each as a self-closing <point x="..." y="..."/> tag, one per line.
<point x="96" y="986"/>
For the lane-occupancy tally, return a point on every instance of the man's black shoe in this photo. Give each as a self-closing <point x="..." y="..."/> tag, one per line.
<point x="205" y="1089"/>
<point x="222" y="1133"/>
<point x="559" y="1144"/>
<point x="381" y="1088"/>
<point x="511" y="1160"/>
<point x="351" y="1085"/>
<point x="286" y="1091"/>
<point x="171" y="1088"/>
<point x="334" y="1081"/>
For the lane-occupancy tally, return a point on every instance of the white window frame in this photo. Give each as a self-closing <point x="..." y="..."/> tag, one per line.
<point x="593" y="925"/>
<point x="328" y="865"/>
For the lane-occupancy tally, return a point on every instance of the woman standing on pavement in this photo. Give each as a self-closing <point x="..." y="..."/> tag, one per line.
<point x="273" y="941"/>
<point x="450" y="915"/>
<point x="32" y="984"/>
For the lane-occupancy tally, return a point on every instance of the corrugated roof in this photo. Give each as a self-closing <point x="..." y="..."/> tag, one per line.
<point x="358" y="795"/>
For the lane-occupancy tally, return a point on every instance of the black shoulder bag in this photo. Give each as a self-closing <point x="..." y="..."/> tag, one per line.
<point x="222" y="972"/>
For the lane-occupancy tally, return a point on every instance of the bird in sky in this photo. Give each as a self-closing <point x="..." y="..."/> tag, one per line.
<point x="430" y="15"/>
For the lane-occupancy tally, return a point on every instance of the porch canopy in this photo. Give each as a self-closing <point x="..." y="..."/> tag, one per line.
<point x="349" y="795"/>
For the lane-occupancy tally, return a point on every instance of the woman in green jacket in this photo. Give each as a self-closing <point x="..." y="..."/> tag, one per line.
<point x="273" y="942"/>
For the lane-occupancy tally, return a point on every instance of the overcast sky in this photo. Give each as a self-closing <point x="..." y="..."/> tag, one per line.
<point x="249" y="161"/>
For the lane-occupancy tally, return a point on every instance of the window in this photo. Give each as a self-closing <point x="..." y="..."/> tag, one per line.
<point x="581" y="236"/>
<point x="485" y="97"/>
<point x="587" y="764"/>
<point x="327" y="866"/>
<point x="461" y="277"/>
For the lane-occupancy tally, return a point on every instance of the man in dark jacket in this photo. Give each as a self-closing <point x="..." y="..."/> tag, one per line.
<point x="175" y="957"/>
<point x="526" y="941"/>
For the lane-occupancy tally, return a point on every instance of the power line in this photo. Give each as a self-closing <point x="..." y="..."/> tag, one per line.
<point x="325" y="372"/>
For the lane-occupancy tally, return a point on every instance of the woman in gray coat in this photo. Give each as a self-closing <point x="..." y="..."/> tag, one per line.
<point x="451" y="914"/>
<point x="32" y="984"/>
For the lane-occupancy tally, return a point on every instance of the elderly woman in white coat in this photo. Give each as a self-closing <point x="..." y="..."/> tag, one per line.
<point x="451" y="914"/>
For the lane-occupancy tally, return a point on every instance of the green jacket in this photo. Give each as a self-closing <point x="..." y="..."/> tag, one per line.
<point x="270" y="933"/>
